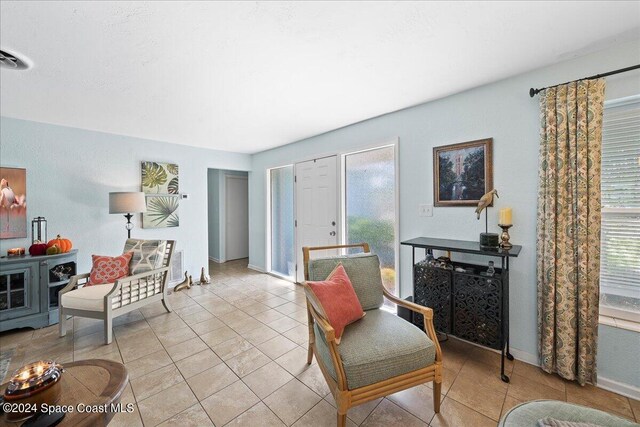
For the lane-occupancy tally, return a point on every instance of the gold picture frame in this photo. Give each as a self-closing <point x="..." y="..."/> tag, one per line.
<point x="462" y="173"/>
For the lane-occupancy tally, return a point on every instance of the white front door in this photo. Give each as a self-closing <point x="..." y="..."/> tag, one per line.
<point x="316" y="207"/>
<point x="236" y="217"/>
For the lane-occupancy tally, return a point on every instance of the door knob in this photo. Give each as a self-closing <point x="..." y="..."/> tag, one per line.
<point x="333" y="233"/>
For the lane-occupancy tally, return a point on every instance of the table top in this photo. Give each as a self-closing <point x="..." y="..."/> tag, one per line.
<point x="463" y="246"/>
<point x="90" y="382"/>
<point x="28" y="258"/>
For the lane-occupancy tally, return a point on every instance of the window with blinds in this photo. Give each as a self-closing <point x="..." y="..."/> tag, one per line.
<point x="620" y="254"/>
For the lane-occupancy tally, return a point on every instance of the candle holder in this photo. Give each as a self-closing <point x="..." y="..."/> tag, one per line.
<point x="33" y="385"/>
<point x="504" y="237"/>
<point x="39" y="230"/>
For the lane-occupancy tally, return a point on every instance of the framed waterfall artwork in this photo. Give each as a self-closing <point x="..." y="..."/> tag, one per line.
<point x="160" y="183"/>
<point x="13" y="203"/>
<point x="462" y="173"/>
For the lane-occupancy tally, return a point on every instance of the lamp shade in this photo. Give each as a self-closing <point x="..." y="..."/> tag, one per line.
<point x="127" y="202"/>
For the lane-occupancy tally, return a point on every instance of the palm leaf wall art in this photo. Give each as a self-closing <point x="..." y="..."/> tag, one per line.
<point x="173" y="186"/>
<point x="160" y="178"/>
<point x="160" y="183"/>
<point x="162" y="212"/>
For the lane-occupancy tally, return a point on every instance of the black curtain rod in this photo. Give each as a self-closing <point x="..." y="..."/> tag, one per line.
<point x="533" y="92"/>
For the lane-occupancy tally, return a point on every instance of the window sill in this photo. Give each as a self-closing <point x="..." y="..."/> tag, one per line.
<point x="619" y="323"/>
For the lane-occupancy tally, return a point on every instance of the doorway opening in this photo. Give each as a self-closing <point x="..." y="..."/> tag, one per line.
<point x="304" y="209"/>
<point x="228" y="215"/>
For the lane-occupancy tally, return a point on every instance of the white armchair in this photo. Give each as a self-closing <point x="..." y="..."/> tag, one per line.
<point x="129" y="293"/>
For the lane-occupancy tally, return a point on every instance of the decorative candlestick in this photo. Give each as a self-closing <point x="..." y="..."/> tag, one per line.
<point x="504" y="237"/>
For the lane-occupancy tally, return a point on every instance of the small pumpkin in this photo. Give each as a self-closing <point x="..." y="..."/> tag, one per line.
<point x="53" y="250"/>
<point x="38" y="248"/>
<point x="64" y="245"/>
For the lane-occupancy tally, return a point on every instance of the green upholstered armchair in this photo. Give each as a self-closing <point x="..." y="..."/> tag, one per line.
<point x="379" y="354"/>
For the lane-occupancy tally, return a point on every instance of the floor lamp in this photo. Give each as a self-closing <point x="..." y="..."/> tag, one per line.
<point x="127" y="203"/>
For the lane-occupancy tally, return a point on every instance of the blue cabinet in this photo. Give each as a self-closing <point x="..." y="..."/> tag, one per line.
<point x="29" y="289"/>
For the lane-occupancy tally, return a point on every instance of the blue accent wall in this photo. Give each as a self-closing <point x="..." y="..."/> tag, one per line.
<point x="70" y="173"/>
<point x="502" y="110"/>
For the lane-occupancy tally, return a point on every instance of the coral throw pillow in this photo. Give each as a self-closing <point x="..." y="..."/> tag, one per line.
<point x="107" y="269"/>
<point x="338" y="300"/>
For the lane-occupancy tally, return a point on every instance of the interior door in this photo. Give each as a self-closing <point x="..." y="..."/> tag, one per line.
<point x="316" y="207"/>
<point x="236" y="217"/>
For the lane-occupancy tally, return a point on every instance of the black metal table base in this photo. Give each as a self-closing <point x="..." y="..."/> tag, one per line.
<point x="502" y="298"/>
<point x="504" y="377"/>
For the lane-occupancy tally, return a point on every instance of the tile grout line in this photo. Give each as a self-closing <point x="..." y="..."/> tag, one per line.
<point x="173" y="362"/>
<point x="376" y="407"/>
<point x="271" y="360"/>
<point x="223" y="361"/>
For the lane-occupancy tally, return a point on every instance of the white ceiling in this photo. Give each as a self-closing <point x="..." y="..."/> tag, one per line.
<point x="248" y="76"/>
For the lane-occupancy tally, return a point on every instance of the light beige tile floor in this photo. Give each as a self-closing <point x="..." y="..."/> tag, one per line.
<point x="234" y="353"/>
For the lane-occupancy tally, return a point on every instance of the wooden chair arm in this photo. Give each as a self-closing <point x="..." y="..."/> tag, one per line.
<point x="325" y="326"/>
<point x="425" y="311"/>
<point x="330" y="338"/>
<point x="73" y="283"/>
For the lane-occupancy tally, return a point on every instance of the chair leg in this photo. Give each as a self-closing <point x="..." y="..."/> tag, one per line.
<point x="166" y="304"/>
<point x="108" y="330"/>
<point x="310" y="354"/>
<point x="437" y="387"/>
<point x="312" y="336"/>
<point x="62" y="323"/>
<point x="342" y="420"/>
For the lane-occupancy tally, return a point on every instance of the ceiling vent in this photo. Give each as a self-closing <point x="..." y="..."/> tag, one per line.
<point x="10" y="61"/>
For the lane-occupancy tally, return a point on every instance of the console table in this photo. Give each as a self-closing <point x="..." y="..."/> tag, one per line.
<point x="466" y="304"/>
<point x="29" y="288"/>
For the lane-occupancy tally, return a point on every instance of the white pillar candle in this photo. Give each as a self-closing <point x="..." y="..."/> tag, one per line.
<point x="505" y="216"/>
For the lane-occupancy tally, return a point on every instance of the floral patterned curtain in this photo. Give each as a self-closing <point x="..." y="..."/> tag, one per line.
<point x="568" y="228"/>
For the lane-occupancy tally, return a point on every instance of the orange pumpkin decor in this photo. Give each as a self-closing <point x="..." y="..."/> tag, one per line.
<point x="64" y="245"/>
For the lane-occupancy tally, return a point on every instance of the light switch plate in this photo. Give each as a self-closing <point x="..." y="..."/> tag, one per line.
<point x="425" y="210"/>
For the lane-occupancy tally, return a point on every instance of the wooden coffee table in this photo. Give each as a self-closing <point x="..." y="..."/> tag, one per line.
<point x="91" y="383"/>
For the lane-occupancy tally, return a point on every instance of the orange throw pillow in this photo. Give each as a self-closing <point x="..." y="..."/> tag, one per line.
<point x="338" y="300"/>
<point x="106" y="269"/>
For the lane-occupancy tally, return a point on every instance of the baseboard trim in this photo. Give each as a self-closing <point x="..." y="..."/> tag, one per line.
<point x="523" y="356"/>
<point x="255" y="268"/>
<point x="603" y="383"/>
<point x="215" y="260"/>
<point x="620" y="388"/>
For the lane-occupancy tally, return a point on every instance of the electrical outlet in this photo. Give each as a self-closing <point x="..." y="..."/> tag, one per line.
<point x="425" y="210"/>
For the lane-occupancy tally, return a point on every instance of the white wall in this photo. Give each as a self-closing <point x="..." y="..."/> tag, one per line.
<point x="501" y="110"/>
<point x="70" y="173"/>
